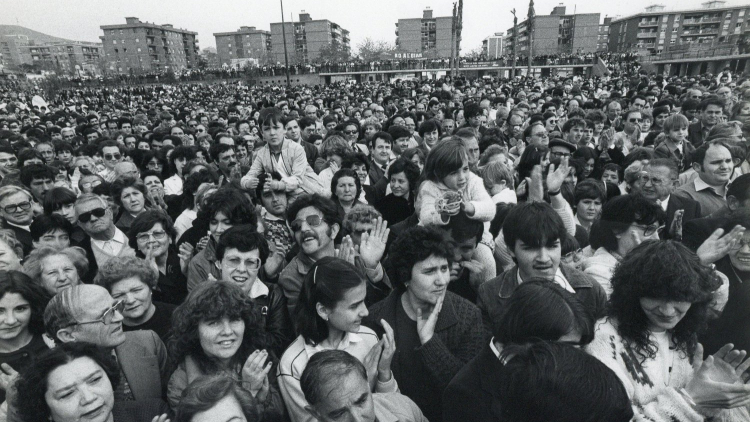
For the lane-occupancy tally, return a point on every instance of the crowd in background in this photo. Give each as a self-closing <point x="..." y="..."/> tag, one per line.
<point x="564" y="248"/>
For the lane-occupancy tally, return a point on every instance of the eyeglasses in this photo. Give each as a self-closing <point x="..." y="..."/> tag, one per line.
<point x="23" y="206"/>
<point x="654" y="180"/>
<point x="311" y="220"/>
<point x="89" y="185"/>
<point x="350" y="132"/>
<point x="107" y="316"/>
<point x="573" y="255"/>
<point x="649" y="230"/>
<point x="110" y="157"/>
<point x="250" y="263"/>
<point x="560" y="154"/>
<point x="97" y="212"/>
<point x="157" y="235"/>
<point x="635" y="120"/>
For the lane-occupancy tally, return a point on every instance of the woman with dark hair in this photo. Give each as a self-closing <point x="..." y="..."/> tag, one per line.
<point x="60" y="201"/>
<point x="345" y="190"/>
<point x="22" y="304"/>
<point x="132" y="280"/>
<point x="216" y="398"/>
<point x="430" y="132"/>
<point x="217" y="331"/>
<point x="660" y="299"/>
<point x="329" y="315"/>
<point x="131" y="195"/>
<point x="152" y="237"/>
<point x="153" y="161"/>
<point x="398" y="205"/>
<point x="177" y="161"/>
<point x="416" y="156"/>
<point x="537" y="310"/>
<point x="589" y="158"/>
<point x="626" y="221"/>
<point x="76" y="381"/>
<point x="532" y="156"/>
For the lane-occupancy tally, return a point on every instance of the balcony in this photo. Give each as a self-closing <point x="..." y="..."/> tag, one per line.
<point x="712" y="19"/>
<point x="710" y="31"/>
<point x="647" y="35"/>
<point x="648" y="23"/>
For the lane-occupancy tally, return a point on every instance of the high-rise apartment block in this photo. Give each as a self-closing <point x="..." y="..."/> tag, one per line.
<point x="22" y="46"/>
<point x="429" y="36"/>
<point x="659" y="30"/>
<point x="305" y="39"/>
<point x="142" y="47"/>
<point x="492" y="46"/>
<point x="556" y="33"/>
<point x="602" y="42"/>
<point x="245" y="43"/>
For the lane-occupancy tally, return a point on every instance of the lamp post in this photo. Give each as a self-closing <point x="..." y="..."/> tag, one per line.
<point x="283" y="36"/>
<point x="515" y="42"/>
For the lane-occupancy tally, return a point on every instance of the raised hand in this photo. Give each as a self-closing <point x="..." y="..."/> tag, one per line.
<point x="372" y="244"/>
<point x="474" y="267"/>
<point x="709" y="387"/>
<point x="186" y="254"/>
<point x="252" y="183"/>
<point x="556" y="176"/>
<point x="426" y="323"/>
<point x="536" y="187"/>
<point x="346" y="250"/>
<point x="371" y="361"/>
<point x="8" y="376"/>
<point x="675" y="229"/>
<point x="719" y="244"/>
<point x="389" y="350"/>
<point x="255" y="371"/>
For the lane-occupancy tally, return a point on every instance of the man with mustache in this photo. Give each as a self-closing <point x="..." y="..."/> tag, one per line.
<point x="315" y="223"/>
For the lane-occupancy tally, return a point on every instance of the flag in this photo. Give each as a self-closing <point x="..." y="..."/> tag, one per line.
<point x="531" y="10"/>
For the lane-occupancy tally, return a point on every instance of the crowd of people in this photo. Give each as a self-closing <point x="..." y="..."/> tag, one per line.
<point x="564" y="248"/>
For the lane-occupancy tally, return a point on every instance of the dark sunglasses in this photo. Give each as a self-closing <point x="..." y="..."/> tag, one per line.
<point x="110" y="157"/>
<point x="86" y="217"/>
<point x="311" y="220"/>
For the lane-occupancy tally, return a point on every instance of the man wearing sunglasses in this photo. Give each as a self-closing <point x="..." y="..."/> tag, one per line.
<point x="315" y="223"/>
<point x="87" y="313"/>
<point x="104" y="241"/>
<point x="112" y="154"/>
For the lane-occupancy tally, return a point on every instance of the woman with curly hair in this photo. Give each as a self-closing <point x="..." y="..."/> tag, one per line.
<point x="131" y="195"/>
<point x="217" y="330"/>
<point x="56" y="270"/>
<point x="659" y="303"/>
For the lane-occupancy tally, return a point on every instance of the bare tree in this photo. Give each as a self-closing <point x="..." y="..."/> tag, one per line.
<point x="369" y="49"/>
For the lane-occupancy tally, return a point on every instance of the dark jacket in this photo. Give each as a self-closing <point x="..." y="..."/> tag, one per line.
<point x="23" y="237"/>
<point x="683" y="163"/>
<point x="494" y="294"/>
<point x="275" y="318"/>
<point x="696" y="231"/>
<point x="471" y="394"/>
<point x="311" y="152"/>
<point x="692" y="210"/>
<point x="376" y="173"/>
<point x="695" y="134"/>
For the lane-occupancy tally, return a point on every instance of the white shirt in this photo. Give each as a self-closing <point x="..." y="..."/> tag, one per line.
<point x="665" y="203"/>
<point x="113" y="245"/>
<point x="559" y="279"/>
<point x="259" y="289"/>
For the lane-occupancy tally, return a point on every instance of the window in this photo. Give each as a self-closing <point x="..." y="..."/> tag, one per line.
<point x="121" y="32"/>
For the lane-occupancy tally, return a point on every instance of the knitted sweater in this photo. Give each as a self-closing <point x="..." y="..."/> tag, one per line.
<point x="654" y="396"/>
<point x="430" y="193"/>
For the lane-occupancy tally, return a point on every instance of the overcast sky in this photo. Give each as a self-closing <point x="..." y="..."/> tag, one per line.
<point x="80" y="19"/>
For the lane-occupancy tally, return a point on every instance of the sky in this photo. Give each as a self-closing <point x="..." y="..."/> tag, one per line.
<point x="80" y="19"/>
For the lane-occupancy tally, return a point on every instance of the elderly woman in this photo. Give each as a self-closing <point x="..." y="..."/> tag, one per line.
<point x="133" y="280"/>
<point x="345" y="190"/>
<point x="152" y="237"/>
<point x="17" y="208"/>
<point x="131" y="195"/>
<point x="76" y="381"/>
<point x="217" y="331"/>
<point x="54" y="269"/>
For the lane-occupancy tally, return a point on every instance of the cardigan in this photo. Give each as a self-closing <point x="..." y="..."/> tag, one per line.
<point x="459" y="336"/>
<point x="652" y="400"/>
<point x="430" y="193"/>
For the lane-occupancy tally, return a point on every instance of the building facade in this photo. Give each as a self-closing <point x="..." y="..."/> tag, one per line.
<point x="557" y="33"/>
<point x="428" y="35"/>
<point x="245" y="43"/>
<point x="492" y="46"/>
<point x="657" y="30"/>
<point x="72" y="58"/>
<point x="142" y="47"/>
<point x="305" y="39"/>
<point x="602" y="41"/>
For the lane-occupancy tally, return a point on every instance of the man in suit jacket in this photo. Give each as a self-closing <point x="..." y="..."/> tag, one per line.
<point x="88" y="313"/>
<point x="710" y="111"/>
<point x="17" y="209"/>
<point x="380" y="156"/>
<point x="658" y="182"/>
